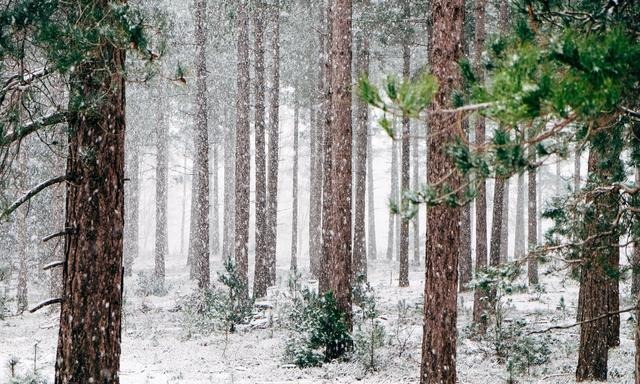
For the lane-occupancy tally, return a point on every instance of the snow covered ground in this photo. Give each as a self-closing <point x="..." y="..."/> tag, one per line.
<point x="157" y="346"/>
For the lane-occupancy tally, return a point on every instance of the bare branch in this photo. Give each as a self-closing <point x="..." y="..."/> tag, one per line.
<point x="54" y="264"/>
<point x="56" y="300"/>
<point x="606" y="315"/>
<point x="67" y="231"/>
<point x="37" y="189"/>
<point x="26" y="130"/>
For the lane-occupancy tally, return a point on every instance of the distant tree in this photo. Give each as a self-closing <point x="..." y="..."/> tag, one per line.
<point x="162" y="186"/>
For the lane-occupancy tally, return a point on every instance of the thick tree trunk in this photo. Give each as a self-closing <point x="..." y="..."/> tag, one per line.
<point x="274" y="151"/>
<point x="532" y="221"/>
<point x="393" y="195"/>
<point x="162" y="201"/>
<point x="326" y="156"/>
<point x="294" y="187"/>
<point x="405" y="181"/>
<point x="260" y="276"/>
<point x="600" y="255"/>
<point x="443" y="239"/>
<point x="338" y="254"/>
<point x="480" y="295"/>
<point x="243" y="147"/>
<point x="91" y="312"/>
<point x="361" y="139"/>
<point x="519" y="246"/>
<point x="200" y="219"/>
<point x="372" y="248"/>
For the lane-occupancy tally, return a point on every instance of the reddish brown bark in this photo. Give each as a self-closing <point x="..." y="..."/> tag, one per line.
<point x="443" y="239"/>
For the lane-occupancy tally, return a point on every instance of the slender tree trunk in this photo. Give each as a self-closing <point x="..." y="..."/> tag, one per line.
<point x="417" y="255"/>
<point x="361" y="139"/>
<point x="443" y="239"/>
<point x="91" y="311"/>
<point x="519" y="247"/>
<point x="635" y="261"/>
<point x="274" y="152"/>
<point x="200" y="220"/>
<point x="393" y="195"/>
<point x="504" y="229"/>
<point x="58" y="223"/>
<point x="372" y="249"/>
<point x="243" y="147"/>
<point x="215" y="205"/>
<point x="339" y="248"/>
<point x="405" y="181"/>
<point x="162" y="201"/>
<point x="260" y="276"/>
<point x="183" y="218"/>
<point x="532" y="224"/>
<point x="294" y="182"/>
<point x="480" y="294"/>
<point x="229" y="212"/>
<point x="577" y="178"/>
<point x="132" y="197"/>
<point x="22" y="235"/>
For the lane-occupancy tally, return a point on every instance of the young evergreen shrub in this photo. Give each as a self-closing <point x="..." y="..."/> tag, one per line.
<point x="319" y="331"/>
<point x="370" y="333"/>
<point x="149" y="286"/>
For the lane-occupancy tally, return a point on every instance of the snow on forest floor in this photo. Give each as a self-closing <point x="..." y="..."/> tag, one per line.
<point x="157" y="346"/>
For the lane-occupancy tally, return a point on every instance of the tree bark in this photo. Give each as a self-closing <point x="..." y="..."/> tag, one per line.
<point x="519" y="246"/>
<point x="243" y="147"/>
<point x="229" y="212"/>
<point x="91" y="312"/>
<point x="417" y="255"/>
<point x="443" y="239"/>
<point x="532" y="218"/>
<point x="372" y="248"/>
<point x="404" y="179"/>
<point x="162" y="201"/>
<point x="294" y="182"/>
<point x="214" y="146"/>
<point x="480" y="294"/>
<point x="393" y="195"/>
<point x="200" y="219"/>
<point x="132" y="194"/>
<point x="339" y="246"/>
<point x="22" y="235"/>
<point x="361" y="140"/>
<point x="504" y="229"/>
<point x="635" y="261"/>
<point x="274" y="151"/>
<point x="260" y="276"/>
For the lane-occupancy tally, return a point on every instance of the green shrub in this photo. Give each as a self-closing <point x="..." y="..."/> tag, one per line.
<point x="148" y="285"/>
<point x="319" y="331"/>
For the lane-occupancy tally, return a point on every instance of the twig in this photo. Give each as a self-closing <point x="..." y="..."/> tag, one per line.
<point x="56" y="300"/>
<point x="67" y="231"/>
<point x="22" y="132"/>
<point x="53" y="264"/>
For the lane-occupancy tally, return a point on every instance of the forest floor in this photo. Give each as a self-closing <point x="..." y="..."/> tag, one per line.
<point x="158" y="346"/>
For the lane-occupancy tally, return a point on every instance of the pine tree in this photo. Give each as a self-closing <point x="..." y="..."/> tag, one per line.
<point x="162" y="201"/>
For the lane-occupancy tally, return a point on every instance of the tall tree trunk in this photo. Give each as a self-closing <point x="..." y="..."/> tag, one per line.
<point x="91" y="311"/>
<point x="183" y="217"/>
<point x="372" y="248"/>
<point x="162" y="201"/>
<point x="229" y="212"/>
<point x="274" y="151"/>
<point x="443" y="231"/>
<point x="480" y="294"/>
<point x="532" y="221"/>
<point x="214" y="146"/>
<point x="577" y="170"/>
<point x="393" y="195"/>
<point x="58" y="223"/>
<point x="260" y="276"/>
<point x="22" y="235"/>
<point x="504" y="229"/>
<point x="404" y="179"/>
<point x="200" y="219"/>
<point x="338" y="254"/>
<point x="243" y="147"/>
<point x="600" y="256"/>
<point x="361" y="139"/>
<point x="132" y="194"/>
<point x="635" y="261"/>
<point x="417" y="255"/>
<point x="294" y="187"/>
<point x="519" y="246"/>
<point x="326" y="156"/>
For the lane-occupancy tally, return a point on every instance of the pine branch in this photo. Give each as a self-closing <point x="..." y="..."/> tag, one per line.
<point x="30" y="194"/>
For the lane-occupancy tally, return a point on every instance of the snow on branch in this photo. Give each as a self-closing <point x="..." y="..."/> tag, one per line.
<point x="27" y="196"/>
<point x="24" y="131"/>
